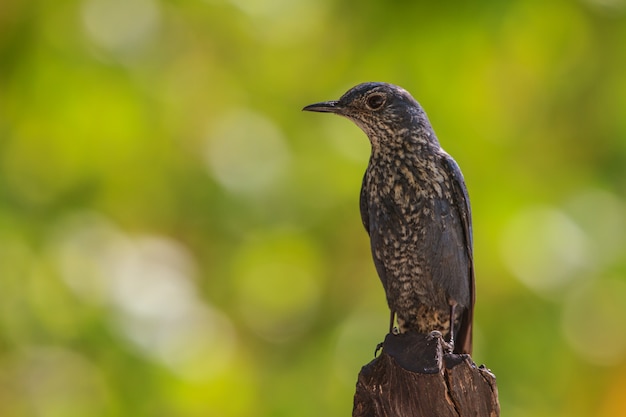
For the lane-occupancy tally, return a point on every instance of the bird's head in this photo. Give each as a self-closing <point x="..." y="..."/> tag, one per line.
<point x="385" y="112"/>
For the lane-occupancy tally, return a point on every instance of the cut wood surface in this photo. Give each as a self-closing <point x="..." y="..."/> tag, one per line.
<point x="412" y="377"/>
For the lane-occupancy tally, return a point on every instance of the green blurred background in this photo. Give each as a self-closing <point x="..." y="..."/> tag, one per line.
<point x="178" y="239"/>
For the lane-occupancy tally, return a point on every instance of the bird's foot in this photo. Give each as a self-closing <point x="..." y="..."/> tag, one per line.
<point x="435" y="334"/>
<point x="378" y="348"/>
<point x="448" y="347"/>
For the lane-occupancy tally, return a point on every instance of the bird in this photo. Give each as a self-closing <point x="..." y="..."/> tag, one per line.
<point x="415" y="207"/>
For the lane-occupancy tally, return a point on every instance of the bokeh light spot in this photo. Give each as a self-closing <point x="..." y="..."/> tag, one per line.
<point x="246" y="152"/>
<point x="611" y="7"/>
<point x="602" y="216"/>
<point x="147" y="282"/>
<point x="594" y="319"/>
<point x="544" y="248"/>
<point x="120" y="25"/>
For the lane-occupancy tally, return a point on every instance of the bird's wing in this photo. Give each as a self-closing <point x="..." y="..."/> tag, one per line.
<point x="374" y="232"/>
<point x="365" y="214"/>
<point x="459" y="243"/>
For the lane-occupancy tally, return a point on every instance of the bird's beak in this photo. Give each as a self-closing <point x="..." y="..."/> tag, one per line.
<point x="324" y="107"/>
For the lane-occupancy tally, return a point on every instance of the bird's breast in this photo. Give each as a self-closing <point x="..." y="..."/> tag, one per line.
<point x="404" y="182"/>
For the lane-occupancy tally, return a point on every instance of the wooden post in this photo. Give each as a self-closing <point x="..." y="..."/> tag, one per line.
<point x="412" y="377"/>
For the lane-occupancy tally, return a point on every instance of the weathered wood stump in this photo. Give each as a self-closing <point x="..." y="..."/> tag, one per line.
<point x="412" y="377"/>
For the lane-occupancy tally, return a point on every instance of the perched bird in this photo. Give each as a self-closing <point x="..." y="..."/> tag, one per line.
<point x="415" y="207"/>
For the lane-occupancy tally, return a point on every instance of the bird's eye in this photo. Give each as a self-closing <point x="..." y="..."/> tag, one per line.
<point x="375" y="101"/>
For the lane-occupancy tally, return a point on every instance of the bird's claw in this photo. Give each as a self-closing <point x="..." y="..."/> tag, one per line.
<point x="448" y="347"/>
<point x="378" y="348"/>
<point x="435" y="334"/>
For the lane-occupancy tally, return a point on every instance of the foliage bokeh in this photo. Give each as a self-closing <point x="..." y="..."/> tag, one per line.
<point x="177" y="238"/>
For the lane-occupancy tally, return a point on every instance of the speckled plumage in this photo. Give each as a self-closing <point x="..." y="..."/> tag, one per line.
<point x="415" y="207"/>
